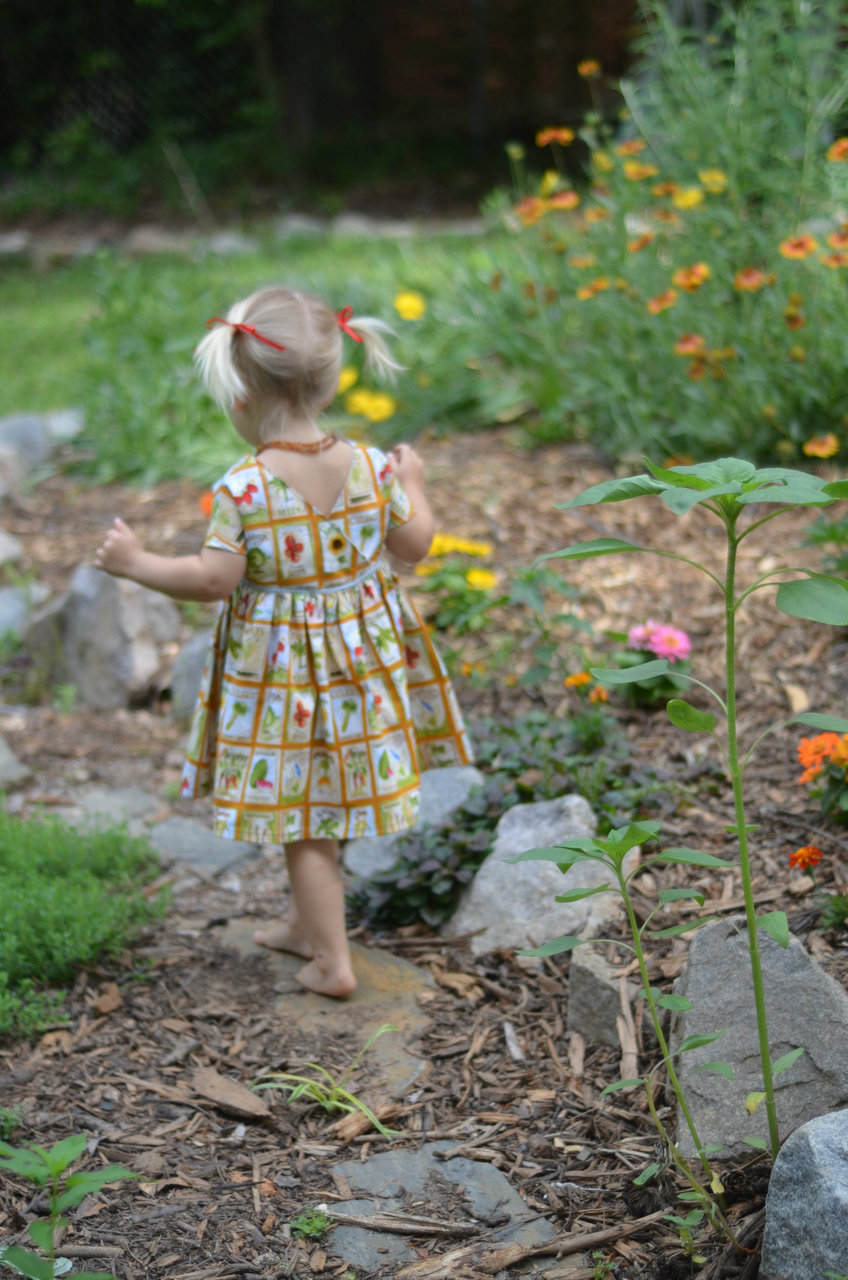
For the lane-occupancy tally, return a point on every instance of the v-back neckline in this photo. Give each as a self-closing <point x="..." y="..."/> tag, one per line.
<point x="311" y="505"/>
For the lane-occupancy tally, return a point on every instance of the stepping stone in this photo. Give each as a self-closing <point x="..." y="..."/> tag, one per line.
<point x="392" y="1181"/>
<point x="388" y="992"/>
<point x="186" y="841"/>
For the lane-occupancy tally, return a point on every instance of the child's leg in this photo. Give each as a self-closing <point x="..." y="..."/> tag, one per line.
<point x="318" y="897"/>
<point x="288" y="935"/>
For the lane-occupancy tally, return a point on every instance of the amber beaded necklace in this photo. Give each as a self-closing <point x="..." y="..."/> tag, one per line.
<point x="300" y="446"/>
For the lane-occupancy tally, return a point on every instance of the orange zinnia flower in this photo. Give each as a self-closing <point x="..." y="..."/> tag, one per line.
<point x="813" y="753"/>
<point x="835" y="260"/>
<point x="821" y="446"/>
<point x="595" y="286"/>
<point x="560" y="134"/>
<point x="637" y="171"/>
<point x="750" y="279"/>
<point x="641" y="242"/>
<point x="838" y="239"/>
<point x="805" y="857"/>
<point x="631" y="147"/>
<point x="205" y="502"/>
<point x="588" y="68"/>
<point x="662" y="301"/>
<point x="664" y="189"/>
<point x="691" y="278"/>
<point x="838" y="150"/>
<point x="564" y="200"/>
<point x="597" y="214"/>
<point x="697" y="369"/>
<point x="531" y="209"/>
<point x="799" y="246"/>
<point x="598" y="694"/>
<point x="689" y="344"/>
<point x="579" y="677"/>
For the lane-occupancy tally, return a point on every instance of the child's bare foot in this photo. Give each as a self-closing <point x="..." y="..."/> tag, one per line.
<point x="284" y="937"/>
<point x="327" y="979"/>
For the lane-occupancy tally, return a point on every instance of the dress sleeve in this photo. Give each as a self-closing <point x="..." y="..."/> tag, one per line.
<point x="400" y="508"/>
<point x="225" y="532"/>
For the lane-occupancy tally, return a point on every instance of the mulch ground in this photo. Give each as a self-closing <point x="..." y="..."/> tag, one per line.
<point x="506" y="1080"/>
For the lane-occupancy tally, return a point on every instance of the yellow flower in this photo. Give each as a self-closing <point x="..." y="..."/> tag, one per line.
<point x="380" y="407"/>
<point x="410" y="305"/>
<point x="588" y="68"/>
<point x="715" y="180"/>
<point x="445" y="543"/>
<point x="577" y="678"/>
<point x="347" y="377"/>
<point x="549" y="182"/>
<point x="481" y="579"/>
<point x="514" y="150"/>
<point x="798" y="354"/>
<point x="603" y="161"/>
<point x="688" y="197"/>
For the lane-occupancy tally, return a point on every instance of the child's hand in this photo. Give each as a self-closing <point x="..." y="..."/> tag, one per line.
<point x="120" y="551"/>
<point x="407" y="466"/>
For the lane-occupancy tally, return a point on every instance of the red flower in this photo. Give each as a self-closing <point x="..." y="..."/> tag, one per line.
<point x="805" y="857"/>
<point x="309" y="608"/>
<point x="301" y="714"/>
<point x="293" y="548"/>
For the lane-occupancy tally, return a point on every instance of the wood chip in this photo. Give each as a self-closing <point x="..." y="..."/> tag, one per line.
<point x="231" y="1096"/>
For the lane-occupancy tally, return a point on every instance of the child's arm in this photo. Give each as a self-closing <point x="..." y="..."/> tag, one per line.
<point x="210" y="575"/>
<point x="411" y="541"/>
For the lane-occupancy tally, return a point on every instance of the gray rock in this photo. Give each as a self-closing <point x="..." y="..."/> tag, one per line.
<point x="26" y="434"/>
<point x="184" y="840"/>
<point x="151" y="239"/>
<point x="806" y="1232"/>
<point x="460" y="1188"/>
<point x="14" y="244"/>
<point x="299" y="224"/>
<point x="11" y="549"/>
<point x="442" y="792"/>
<point x="594" y="997"/>
<point x="11" y="769"/>
<point x="104" y="637"/>
<point x="129" y="807"/>
<point x="64" y="425"/>
<point x="17" y="605"/>
<point x="186" y="675"/>
<point x="230" y="243"/>
<point x="510" y="905"/>
<point x="804" y="1007"/>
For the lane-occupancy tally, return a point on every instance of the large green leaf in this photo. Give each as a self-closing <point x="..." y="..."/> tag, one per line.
<point x="562" y="855"/>
<point x="721" y="471"/>
<point x="684" y="716"/>
<point x="816" y="720"/>
<point x="692" y="857"/>
<point x="613" y="491"/>
<point x="699" y="1041"/>
<point x="577" y="895"/>
<point x="836" y="489"/>
<point x="794" y="489"/>
<point x="674" y="930"/>
<point x="819" y="598"/>
<point x="677" y="895"/>
<point x="28" y="1264"/>
<point x="678" y="477"/>
<point x="629" y="675"/>
<point x="682" y="500"/>
<point x="593" y="547"/>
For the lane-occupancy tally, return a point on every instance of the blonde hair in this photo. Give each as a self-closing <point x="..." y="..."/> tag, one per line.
<point x="298" y="357"/>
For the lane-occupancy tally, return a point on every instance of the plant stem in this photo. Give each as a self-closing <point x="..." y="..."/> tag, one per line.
<point x="735" y="770"/>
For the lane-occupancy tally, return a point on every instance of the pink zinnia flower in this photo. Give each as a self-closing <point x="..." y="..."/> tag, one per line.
<point x="638" y="637"/>
<point x="669" y="642"/>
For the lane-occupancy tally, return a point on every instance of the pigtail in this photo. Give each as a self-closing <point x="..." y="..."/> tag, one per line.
<point x="377" y="354"/>
<point x="213" y="358"/>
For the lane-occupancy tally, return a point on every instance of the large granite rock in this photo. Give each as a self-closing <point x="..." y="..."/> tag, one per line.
<point x="510" y="905"/>
<point x="104" y="636"/>
<point x="804" y="1007"/>
<point x="806" y="1232"/>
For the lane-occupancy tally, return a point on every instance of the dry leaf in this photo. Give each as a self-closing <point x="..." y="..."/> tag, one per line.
<point x="462" y="983"/>
<point x="109" y="1000"/>
<point x="318" y="1262"/>
<point x="229" y="1095"/>
<point x="797" y="698"/>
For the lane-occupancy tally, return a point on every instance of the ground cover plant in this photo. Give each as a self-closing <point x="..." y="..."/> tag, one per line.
<point x="685" y="300"/>
<point x="69" y="899"/>
<point x="736" y="494"/>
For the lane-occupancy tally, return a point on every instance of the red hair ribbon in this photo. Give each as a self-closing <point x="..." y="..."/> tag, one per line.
<point x="246" y="328"/>
<point x="344" y="317"/>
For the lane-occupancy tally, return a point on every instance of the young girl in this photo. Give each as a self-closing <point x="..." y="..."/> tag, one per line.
<point x="323" y="696"/>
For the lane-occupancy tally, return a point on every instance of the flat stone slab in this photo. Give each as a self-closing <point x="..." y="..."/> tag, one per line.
<point x="387" y="992"/>
<point x="419" y="1182"/>
<point x="184" y="840"/>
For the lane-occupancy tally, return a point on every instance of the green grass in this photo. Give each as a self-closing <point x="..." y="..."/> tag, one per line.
<point x="69" y="898"/>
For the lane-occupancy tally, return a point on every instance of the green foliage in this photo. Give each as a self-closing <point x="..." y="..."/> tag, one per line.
<point x="832" y="537"/>
<point x="10" y="1118"/>
<point x="69" y="898"/>
<point x="669" y="311"/>
<point x="834" y="912"/>
<point x="312" y="1224"/>
<point x="323" y="1089"/>
<point x="48" y="1169"/>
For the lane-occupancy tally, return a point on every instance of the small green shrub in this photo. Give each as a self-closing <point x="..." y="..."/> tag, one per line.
<point x="310" y="1225"/>
<point x="69" y="898"/>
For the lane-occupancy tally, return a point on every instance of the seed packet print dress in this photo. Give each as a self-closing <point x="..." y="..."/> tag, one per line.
<point x="323" y="696"/>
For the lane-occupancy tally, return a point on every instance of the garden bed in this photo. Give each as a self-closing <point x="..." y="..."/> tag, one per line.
<point x="528" y="1099"/>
